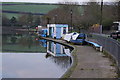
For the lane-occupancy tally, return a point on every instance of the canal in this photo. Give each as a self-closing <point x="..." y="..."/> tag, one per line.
<point x="27" y="56"/>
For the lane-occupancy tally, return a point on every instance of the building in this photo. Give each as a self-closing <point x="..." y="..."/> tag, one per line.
<point x="116" y="26"/>
<point x="57" y="30"/>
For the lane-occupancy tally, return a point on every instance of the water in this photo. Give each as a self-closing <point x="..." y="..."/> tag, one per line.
<point x="41" y="59"/>
<point x="22" y="44"/>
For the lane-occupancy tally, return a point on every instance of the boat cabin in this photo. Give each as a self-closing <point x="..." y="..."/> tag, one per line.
<point x="57" y="30"/>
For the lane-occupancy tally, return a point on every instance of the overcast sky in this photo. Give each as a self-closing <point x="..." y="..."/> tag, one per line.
<point x="54" y="1"/>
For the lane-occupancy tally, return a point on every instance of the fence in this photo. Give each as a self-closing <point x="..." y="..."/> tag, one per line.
<point x="110" y="45"/>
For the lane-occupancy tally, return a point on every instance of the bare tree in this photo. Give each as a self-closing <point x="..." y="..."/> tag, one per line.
<point x="26" y="20"/>
<point x="118" y="8"/>
<point x="62" y="14"/>
<point x="5" y="21"/>
<point x="36" y="20"/>
<point x="110" y="14"/>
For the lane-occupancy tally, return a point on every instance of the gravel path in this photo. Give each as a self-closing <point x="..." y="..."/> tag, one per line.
<point x="92" y="64"/>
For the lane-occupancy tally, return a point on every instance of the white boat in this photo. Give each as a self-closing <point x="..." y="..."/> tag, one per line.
<point x="68" y="37"/>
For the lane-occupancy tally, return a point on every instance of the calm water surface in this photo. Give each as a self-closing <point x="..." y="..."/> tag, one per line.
<point x="52" y="62"/>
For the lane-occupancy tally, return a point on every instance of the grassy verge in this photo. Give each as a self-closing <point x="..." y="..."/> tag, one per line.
<point x="119" y="40"/>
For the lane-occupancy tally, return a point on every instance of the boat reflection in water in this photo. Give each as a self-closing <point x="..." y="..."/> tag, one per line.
<point x="43" y="42"/>
<point x="59" y="54"/>
<point x="58" y="50"/>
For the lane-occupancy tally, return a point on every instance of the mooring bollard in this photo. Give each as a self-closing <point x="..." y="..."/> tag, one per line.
<point x="101" y="48"/>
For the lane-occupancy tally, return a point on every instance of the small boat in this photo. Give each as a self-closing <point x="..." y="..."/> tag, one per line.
<point x="79" y="39"/>
<point x="75" y="38"/>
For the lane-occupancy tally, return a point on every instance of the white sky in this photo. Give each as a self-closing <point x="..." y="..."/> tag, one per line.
<point x="54" y="1"/>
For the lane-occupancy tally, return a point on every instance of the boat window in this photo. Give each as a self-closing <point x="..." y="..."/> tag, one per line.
<point x="80" y="37"/>
<point x="64" y="30"/>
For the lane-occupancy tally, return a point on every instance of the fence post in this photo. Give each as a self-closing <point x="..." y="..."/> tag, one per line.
<point x="118" y="60"/>
<point x="101" y="48"/>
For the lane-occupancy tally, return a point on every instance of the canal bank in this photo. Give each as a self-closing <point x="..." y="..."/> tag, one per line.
<point x="88" y="63"/>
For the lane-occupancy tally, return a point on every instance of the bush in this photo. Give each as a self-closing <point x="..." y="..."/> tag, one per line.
<point x="13" y="39"/>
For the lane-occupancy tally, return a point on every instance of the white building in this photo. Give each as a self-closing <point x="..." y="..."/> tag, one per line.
<point x="118" y="25"/>
<point x="57" y="30"/>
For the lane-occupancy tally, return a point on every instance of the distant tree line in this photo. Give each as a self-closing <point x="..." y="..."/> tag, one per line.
<point x="27" y="20"/>
<point x="83" y="16"/>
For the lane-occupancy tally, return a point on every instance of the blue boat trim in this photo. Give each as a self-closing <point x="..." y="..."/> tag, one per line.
<point x="93" y="43"/>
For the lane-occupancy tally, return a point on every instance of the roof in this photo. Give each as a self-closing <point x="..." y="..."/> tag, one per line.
<point x="57" y="25"/>
<point x="117" y="22"/>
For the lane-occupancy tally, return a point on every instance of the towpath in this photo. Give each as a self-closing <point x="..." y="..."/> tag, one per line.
<point x="91" y="63"/>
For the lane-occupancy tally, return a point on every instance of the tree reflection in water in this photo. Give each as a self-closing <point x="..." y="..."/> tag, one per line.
<point x="28" y="41"/>
<point x="59" y="54"/>
<point x="24" y="43"/>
